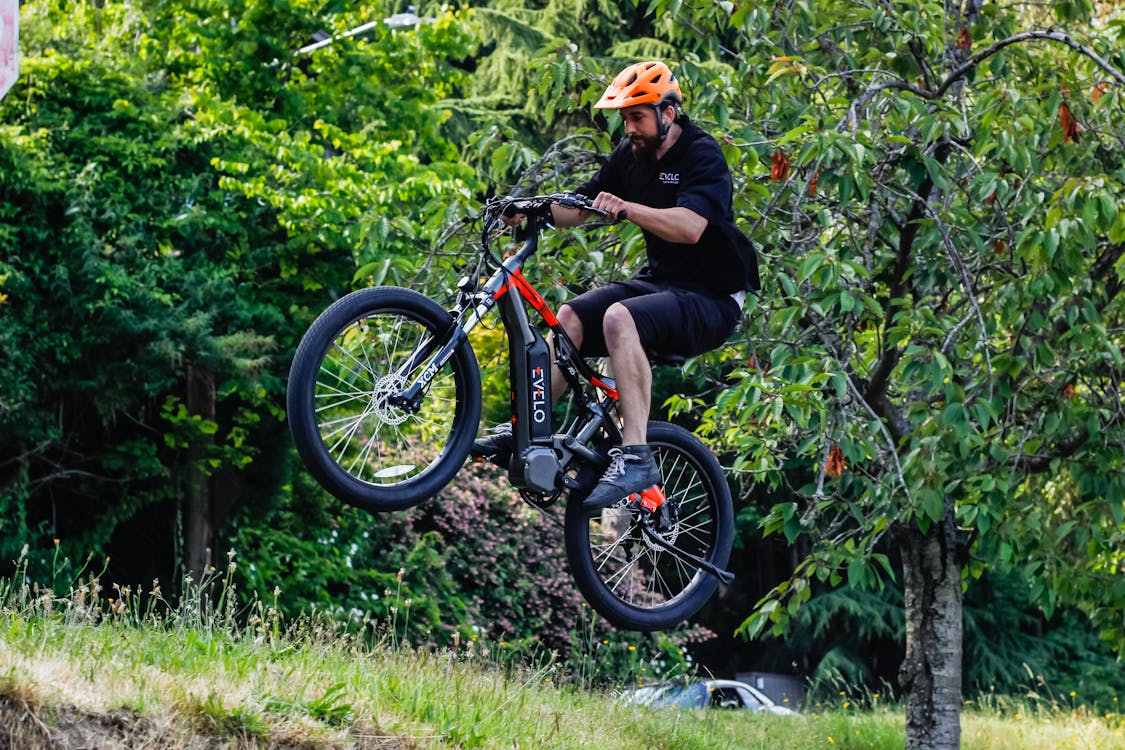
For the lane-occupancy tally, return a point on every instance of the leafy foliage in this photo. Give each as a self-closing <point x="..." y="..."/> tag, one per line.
<point x="178" y="222"/>
<point x="942" y="310"/>
<point x="120" y="285"/>
<point x="937" y="352"/>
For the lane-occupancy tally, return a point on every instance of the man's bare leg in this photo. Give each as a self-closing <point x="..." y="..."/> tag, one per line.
<point x="631" y="371"/>
<point x="572" y="324"/>
<point x="631" y="468"/>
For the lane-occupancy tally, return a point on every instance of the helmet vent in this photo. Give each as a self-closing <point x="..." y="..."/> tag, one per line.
<point x="642" y="83"/>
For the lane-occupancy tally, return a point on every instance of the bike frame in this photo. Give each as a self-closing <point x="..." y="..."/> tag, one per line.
<point x="532" y="427"/>
<point x="543" y="460"/>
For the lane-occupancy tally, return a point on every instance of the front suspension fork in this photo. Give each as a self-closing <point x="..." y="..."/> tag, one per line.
<point x="411" y="399"/>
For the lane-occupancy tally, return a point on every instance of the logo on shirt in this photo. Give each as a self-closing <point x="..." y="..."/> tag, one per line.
<point x="669" y="178"/>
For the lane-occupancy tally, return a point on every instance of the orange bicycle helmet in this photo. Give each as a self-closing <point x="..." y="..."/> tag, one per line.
<point x="642" y="83"/>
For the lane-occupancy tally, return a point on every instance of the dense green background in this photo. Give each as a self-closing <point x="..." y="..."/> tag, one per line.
<point x="180" y="194"/>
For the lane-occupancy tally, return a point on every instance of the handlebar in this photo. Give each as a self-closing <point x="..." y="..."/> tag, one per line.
<point x="539" y="204"/>
<point x="537" y="207"/>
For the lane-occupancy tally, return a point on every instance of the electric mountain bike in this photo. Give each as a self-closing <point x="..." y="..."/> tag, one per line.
<point x="384" y="401"/>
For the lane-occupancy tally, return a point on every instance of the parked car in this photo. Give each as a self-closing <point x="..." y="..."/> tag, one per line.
<point x="707" y="694"/>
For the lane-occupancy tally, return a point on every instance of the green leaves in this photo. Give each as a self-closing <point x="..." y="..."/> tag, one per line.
<point x="942" y="281"/>
<point x="180" y="193"/>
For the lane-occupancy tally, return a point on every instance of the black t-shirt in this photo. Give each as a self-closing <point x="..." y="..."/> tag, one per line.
<point x="693" y="175"/>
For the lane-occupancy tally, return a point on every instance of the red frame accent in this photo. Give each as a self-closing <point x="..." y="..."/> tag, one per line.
<point x="523" y="286"/>
<point x="652" y="498"/>
<point x="605" y="387"/>
<point x="527" y="291"/>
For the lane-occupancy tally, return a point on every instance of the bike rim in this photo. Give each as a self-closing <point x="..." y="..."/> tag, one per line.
<point x="363" y="431"/>
<point x="634" y="569"/>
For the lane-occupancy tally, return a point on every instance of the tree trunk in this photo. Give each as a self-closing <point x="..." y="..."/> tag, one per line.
<point x="930" y="675"/>
<point x="198" y="522"/>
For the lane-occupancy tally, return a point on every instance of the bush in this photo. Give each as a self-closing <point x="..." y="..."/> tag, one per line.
<point x="474" y="560"/>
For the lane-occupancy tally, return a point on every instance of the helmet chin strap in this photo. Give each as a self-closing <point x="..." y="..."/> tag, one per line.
<point x="662" y="128"/>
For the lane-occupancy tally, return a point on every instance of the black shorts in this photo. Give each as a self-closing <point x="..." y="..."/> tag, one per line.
<point x="670" y="320"/>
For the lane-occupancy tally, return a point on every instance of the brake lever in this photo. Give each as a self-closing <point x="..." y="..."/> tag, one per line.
<point x="522" y="207"/>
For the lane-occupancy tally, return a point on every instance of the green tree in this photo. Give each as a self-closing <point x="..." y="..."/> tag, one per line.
<point x="122" y="305"/>
<point x="936" y="361"/>
<point x="939" y="344"/>
<point x="182" y="191"/>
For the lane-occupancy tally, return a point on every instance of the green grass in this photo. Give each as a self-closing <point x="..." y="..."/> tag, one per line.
<point x="76" y="672"/>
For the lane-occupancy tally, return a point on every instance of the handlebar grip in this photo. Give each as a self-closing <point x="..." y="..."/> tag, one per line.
<point x="622" y="215"/>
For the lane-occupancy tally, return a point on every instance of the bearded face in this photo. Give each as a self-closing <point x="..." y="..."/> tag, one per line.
<point x="645" y="147"/>
<point x="643" y="130"/>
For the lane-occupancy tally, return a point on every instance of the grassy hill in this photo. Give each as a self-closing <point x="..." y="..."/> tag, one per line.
<point x="82" y="672"/>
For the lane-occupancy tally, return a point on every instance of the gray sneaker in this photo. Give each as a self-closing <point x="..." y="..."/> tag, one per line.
<point x="497" y="447"/>
<point x="631" y="470"/>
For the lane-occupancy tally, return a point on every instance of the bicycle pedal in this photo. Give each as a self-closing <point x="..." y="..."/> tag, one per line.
<point x="650" y="499"/>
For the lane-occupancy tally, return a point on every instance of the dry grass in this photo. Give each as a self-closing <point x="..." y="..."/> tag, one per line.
<point x="83" y="672"/>
<point x="1064" y="730"/>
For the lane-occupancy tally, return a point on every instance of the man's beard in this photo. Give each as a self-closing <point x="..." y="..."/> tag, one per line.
<point x="645" y="147"/>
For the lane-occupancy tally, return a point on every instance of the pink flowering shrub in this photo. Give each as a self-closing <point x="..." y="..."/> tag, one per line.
<point x="475" y="560"/>
<point x="507" y="557"/>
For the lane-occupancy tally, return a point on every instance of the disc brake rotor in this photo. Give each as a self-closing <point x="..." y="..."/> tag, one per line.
<point x="386" y="387"/>
<point x="662" y="521"/>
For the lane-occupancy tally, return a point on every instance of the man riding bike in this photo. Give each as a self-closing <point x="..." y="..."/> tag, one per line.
<point x="671" y="179"/>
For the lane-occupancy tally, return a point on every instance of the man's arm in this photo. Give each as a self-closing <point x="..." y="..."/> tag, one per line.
<point x="561" y="216"/>
<point x="676" y="224"/>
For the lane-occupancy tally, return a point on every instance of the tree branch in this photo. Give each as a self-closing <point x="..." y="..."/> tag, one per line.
<point x="970" y="293"/>
<point x="1067" y="448"/>
<point x="877" y="383"/>
<point x="966" y="67"/>
<point x="1050" y="34"/>
<point x="1103" y="270"/>
<point x="888" y="414"/>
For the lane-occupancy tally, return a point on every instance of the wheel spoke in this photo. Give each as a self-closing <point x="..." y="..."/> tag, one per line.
<point x="652" y="577"/>
<point x="366" y="434"/>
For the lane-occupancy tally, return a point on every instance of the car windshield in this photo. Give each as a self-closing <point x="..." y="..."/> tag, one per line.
<point x="645" y="695"/>
<point x="681" y="696"/>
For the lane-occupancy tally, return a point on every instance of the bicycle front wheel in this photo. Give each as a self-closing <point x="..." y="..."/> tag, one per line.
<point x="628" y="577"/>
<point x="354" y="437"/>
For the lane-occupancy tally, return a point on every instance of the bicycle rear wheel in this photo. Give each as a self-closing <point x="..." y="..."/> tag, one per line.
<point x="628" y="578"/>
<point x="359" y="444"/>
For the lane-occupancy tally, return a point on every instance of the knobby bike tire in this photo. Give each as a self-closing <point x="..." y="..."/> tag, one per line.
<point x="628" y="580"/>
<point x="355" y="442"/>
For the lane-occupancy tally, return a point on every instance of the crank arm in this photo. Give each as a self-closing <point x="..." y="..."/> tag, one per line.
<point x="725" y="577"/>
